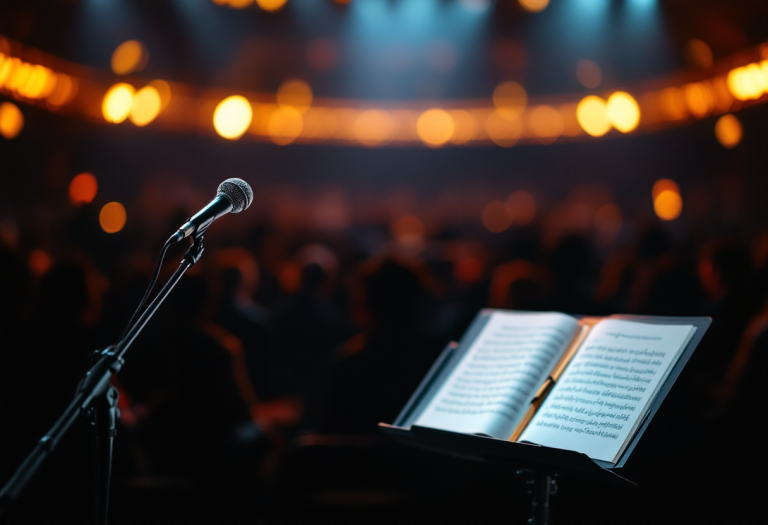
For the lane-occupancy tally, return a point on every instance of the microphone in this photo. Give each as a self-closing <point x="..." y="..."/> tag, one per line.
<point x="233" y="196"/>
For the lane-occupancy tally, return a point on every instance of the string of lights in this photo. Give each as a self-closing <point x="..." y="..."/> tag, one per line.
<point x="294" y="115"/>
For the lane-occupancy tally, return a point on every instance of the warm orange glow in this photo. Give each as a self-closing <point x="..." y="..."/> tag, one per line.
<point x="699" y="98"/>
<point x="699" y="53"/>
<point x="146" y="106"/>
<point x="11" y="120"/>
<point x="522" y="206"/>
<point x="285" y="124"/>
<point x="608" y="219"/>
<point x="82" y="189"/>
<point x="464" y="126"/>
<point x="534" y="6"/>
<point x="435" y="127"/>
<point x="7" y="68"/>
<point x="510" y="99"/>
<point x="19" y="76"/>
<point x="39" y="262"/>
<point x="672" y="103"/>
<point x="546" y="123"/>
<point x="65" y="90"/>
<point x="128" y="57"/>
<point x="117" y="102"/>
<point x="728" y="130"/>
<point x="296" y="94"/>
<point x="664" y="185"/>
<point x="592" y="115"/>
<point x="164" y="90"/>
<point x="588" y="73"/>
<point x="623" y="111"/>
<point x="497" y="216"/>
<point x="668" y="205"/>
<point x="232" y="117"/>
<point x="239" y="4"/>
<point x="408" y="230"/>
<point x="39" y="81"/>
<point x="503" y="131"/>
<point x="747" y="82"/>
<point x="374" y="127"/>
<point x="271" y="5"/>
<point x="112" y="217"/>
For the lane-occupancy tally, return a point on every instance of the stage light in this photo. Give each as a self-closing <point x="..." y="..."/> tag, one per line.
<point x="664" y="185"/>
<point x="82" y="189"/>
<point x="699" y="53"/>
<point x="608" y="219"/>
<point x="39" y="262"/>
<point x="128" y="57"/>
<point x="503" y="131"/>
<point x="146" y="106"/>
<point x="497" y="216"/>
<point x="747" y="82"/>
<point x="588" y="74"/>
<point x="408" y="230"/>
<point x="510" y="99"/>
<point x="699" y="98"/>
<point x="668" y="205"/>
<point x="728" y="130"/>
<point x="592" y="115"/>
<point x="464" y="126"/>
<point x="523" y="207"/>
<point x="623" y="111"/>
<point x="112" y="217"/>
<point x="164" y="90"/>
<point x="374" y="127"/>
<point x="435" y="127"/>
<point x="11" y="120"/>
<point x="296" y="94"/>
<point x="271" y="5"/>
<point x="117" y="102"/>
<point x="65" y="90"/>
<point x="232" y="117"/>
<point x="534" y="6"/>
<point x="546" y="123"/>
<point x="285" y="124"/>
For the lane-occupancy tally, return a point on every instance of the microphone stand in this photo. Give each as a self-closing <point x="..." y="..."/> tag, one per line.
<point x="97" y="399"/>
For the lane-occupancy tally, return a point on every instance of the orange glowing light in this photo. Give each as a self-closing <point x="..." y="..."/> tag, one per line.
<point x="374" y="127"/>
<point x="128" y="57"/>
<point x="664" y="185"/>
<point x="728" y="130"/>
<point x="11" y="120"/>
<point x="285" y="124"/>
<point x="19" y="77"/>
<point x="672" y="103"/>
<point x="112" y="217"/>
<point x="117" y="102"/>
<point x="699" y="98"/>
<point x="65" y="91"/>
<point x="271" y="5"/>
<point x="699" y="53"/>
<point x="497" y="216"/>
<point x="164" y="90"/>
<point x="592" y="115"/>
<point x="146" y="106"/>
<point x="747" y="82"/>
<point x="534" y="6"/>
<point x="588" y="73"/>
<point x="435" y="127"/>
<point x="82" y="189"/>
<point x="39" y="262"/>
<point x="464" y="126"/>
<point x="296" y="94"/>
<point x="523" y="207"/>
<point x="623" y="111"/>
<point x="608" y="219"/>
<point x="6" y="69"/>
<point x="503" y="131"/>
<point x="668" y="205"/>
<point x="239" y="4"/>
<point x="39" y="79"/>
<point x="232" y="117"/>
<point x="546" y="123"/>
<point x="510" y="99"/>
<point x="408" y="230"/>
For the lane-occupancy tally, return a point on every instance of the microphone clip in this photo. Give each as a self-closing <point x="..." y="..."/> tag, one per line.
<point x="195" y="250"/>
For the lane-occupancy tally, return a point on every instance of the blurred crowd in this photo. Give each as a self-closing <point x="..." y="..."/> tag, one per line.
<point x="275" y="339"/>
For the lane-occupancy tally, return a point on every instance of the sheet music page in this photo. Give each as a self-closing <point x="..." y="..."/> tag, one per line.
<point x="606" y="390"/>
<point x="491" y="387"/>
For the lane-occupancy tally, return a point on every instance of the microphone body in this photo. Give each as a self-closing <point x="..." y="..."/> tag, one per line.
<point x="233" y="196"/>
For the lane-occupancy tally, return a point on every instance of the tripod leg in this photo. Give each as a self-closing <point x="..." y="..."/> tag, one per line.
<point x="103" y="418"/>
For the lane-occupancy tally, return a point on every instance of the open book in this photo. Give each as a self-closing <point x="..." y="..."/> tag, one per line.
<point x="557" y="381"/>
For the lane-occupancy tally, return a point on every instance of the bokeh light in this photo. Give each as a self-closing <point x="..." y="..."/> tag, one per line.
<point x="510" y="99"/>
<point x="374" y="127"/>
<point x="623" y="111"/>
<point x="699" y="98"/>
<point x="128" y="57"/>
<point x="271" y="5"/>
<point x="435" y="127"/>
<point x="408" y="230"/>
<point x="546" y="123"/>
<point x="523" y="207"/>
<point x="664" y="185"/>
<point x="232" y="117"/>
<point x="64" y="91"/>
<point x="668" y="205"/>
<point x="146" y="106"/>
<point x="588" y="74"/>
<point x="503" y="131"/>
<point x="112" y="217"/>
<point x="117" y="102"/>
<point x="239" y="4"/>
<point x="296" y="94"/>
<point x="747" y="82"/>
<point x="82" y="189"/>
<point x="497" y="216"/>
<point x="11" y="120"/>
<point x="592" y="115"/>
<point x="534" y="6"/>
<point x="699" y="54"/>
<point x="728" y="130"/>
<point x="285" y="124"/>
<point x="464" y="126"/>
<point x="39" y="262"/>
<point x="164" y="90"/>
<point x="672" y="103"/>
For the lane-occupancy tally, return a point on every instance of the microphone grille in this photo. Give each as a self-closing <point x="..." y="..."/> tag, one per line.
<point x="238" y="192"/>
